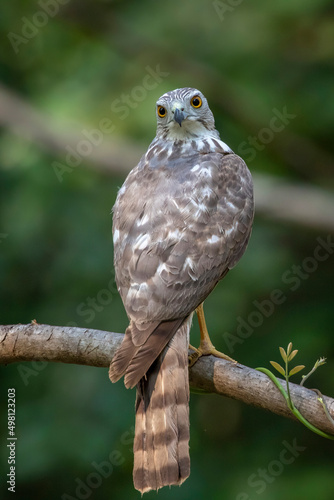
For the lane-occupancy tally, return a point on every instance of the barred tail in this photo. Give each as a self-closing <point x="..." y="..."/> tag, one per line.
<point x="161" y="445"/>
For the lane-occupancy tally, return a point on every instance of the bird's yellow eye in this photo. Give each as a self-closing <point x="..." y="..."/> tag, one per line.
<point x="196" y="101"/>
<point x="161" y="111"/>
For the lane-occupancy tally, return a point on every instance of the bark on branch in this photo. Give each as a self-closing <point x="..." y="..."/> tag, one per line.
<point x="81" y="346"/>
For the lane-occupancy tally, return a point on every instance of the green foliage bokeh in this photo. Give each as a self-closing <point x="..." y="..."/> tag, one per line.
<point x="56" y="248"/>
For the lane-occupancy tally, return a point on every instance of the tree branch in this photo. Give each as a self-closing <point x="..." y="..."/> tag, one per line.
<point x="301" y="204"/>
<point x="81" y="346"/>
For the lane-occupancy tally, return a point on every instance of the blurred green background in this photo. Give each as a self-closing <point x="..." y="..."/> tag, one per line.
<point x="78" y="86"/>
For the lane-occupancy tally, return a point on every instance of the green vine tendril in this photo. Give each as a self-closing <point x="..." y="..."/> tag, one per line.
<point x="287" y="356"/>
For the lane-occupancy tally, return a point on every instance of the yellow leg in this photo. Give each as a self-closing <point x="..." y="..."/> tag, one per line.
<point x="205" y="347"/>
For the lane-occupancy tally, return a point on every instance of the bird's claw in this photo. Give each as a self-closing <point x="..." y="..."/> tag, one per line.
<point x="205" y="349"/>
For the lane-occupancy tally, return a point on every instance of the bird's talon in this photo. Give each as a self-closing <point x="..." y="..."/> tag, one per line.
<point x="193" y="357"/>
<point x="206" y="349"/>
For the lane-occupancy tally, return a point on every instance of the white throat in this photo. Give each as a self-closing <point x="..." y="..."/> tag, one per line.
<point x="189" y="130"/>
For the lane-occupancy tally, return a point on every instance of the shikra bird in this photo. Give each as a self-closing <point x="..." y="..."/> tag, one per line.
<point x="182" y="220"/>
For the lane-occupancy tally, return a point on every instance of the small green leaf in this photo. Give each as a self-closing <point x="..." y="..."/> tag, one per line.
<point x="292" y="355"/>
<point x="283" y="354"/>
<point x="321" y="361"/>
<point x="296" y="369"/>
<point x="289" y="348"/>
<point x="278" y="367"/>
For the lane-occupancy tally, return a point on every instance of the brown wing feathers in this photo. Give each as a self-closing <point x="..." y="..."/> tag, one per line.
<point x="139" y="349"/>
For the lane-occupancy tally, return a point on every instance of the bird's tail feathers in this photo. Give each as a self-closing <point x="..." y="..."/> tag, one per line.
<point x="141" y="345"/>
<point x="161" y="445"/>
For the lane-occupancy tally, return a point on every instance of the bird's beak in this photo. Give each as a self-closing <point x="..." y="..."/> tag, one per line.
<point x="179" y="115"/>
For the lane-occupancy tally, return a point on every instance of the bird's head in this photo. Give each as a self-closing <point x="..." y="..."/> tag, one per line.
<point x="184" y="114"/>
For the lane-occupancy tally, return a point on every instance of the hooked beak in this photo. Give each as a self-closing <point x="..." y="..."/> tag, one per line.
<point x="179" y="116"/>
<point x="178" y="111"/>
